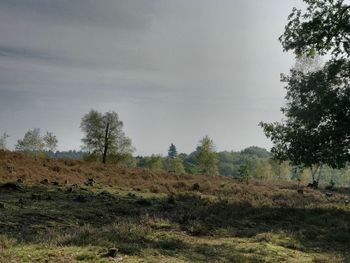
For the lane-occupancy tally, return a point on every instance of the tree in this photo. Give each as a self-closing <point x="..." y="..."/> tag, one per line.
<point x="245" y="171"/>
<point x="34" y="142"/>
<point x="322" y="27"/>
<point x="316" y="131"/>
<point x="153" y="162"/>
<point x="104" y="134"/>
<point x="207" y="157"/>
<point x="50" y="141"/>
<point x="172" y="152"/>
<point x="173" y="163"/>
<point x="31" y="142"/>
<point x="3" y="139"/>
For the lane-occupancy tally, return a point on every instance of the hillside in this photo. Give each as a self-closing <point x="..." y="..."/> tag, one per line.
<point x="72" y="211"/>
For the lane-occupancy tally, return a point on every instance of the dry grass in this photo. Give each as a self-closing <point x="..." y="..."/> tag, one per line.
<point x="160" y="217"/>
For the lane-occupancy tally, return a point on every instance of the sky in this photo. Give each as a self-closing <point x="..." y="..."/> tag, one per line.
<point x="174" y="71"/>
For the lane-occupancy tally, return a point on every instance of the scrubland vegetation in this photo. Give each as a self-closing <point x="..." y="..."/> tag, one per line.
<point x="54" y="213"/>
<point x="205" y="206"/>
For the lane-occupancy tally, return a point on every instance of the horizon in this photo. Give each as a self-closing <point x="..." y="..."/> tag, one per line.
<point x="173" y="71"/>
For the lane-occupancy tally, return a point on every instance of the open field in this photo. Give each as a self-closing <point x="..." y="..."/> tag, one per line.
<point x="159" y="217"/>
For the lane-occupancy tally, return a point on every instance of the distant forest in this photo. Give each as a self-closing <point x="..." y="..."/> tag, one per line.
<point x="255" y="161"/>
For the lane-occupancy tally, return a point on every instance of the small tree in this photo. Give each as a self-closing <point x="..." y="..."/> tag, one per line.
<point x="50" y="141"/>
<point x="207" y="157"/>
<point x="3" y="139"/>
<point x="104" y="134"/>
<point x="244" y="171"/>
<point x="153" y="162"/>
<point x="35" y="143"/>
<point x="172" y="163"/>
<point x="172" y="152"/>
<point x="31" y="142"/>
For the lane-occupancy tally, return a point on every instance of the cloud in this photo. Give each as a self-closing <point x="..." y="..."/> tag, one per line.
<point x="130" y="15"/>
<point x="200" y="65"/>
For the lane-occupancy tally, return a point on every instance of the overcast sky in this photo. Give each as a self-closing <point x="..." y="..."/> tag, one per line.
<point x="174" y="71"/>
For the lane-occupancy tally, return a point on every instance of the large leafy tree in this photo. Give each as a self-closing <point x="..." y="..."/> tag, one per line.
<point x="104" y="135"/>
<point x="317" y="126"/>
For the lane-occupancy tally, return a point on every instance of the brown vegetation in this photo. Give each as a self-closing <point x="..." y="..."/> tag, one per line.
<point x="161" y="216"/>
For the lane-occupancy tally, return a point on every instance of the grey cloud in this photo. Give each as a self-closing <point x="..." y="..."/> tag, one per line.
<point x="23" y="53"/>
<point x="12" y="101"/>
<point x="125" y="14"/>
<point x="174" y="70"/>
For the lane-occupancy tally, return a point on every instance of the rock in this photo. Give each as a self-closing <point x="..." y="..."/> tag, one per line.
<point x="45" y="182"/>
<point x="195" y="187"/>
<point x="346" y="202"/>
<point x="19" y="181"/>
<point x="112" y="252"/>
<point x="90" y="181"/>
<point x="131" y="195"/>
<point x="329" y="194"/>
<point x="72" y="188"/>
<point x="55" y="183"/>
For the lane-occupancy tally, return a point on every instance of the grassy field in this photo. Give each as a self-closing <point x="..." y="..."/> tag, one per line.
<point x="159" y="217"/>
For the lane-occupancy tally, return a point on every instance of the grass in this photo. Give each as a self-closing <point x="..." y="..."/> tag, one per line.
<point x="157" y="217"/>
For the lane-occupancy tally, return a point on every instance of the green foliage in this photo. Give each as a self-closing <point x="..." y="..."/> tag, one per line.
<point x="245" y="171"/>
<point x="207" y="157"/>
<point x="104" y="135"/>
<point x="318" y="101"/>
<point x="33" y="142"/>
<point x="153" y="162"/>
<point x="190" y="162"/>
<point x="91" y="157"/>
<point x="174" y="165"/>
<point x="122" y="159"/>
<point x="323" y="27"/>
<point x="315" y="131"/>
<point x="255" y="152"/>
<point x="50" y="141"/>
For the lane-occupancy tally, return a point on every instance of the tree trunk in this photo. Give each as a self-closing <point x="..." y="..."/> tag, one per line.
<point x="314" y="183"/>
<point x="105" y="150"/>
